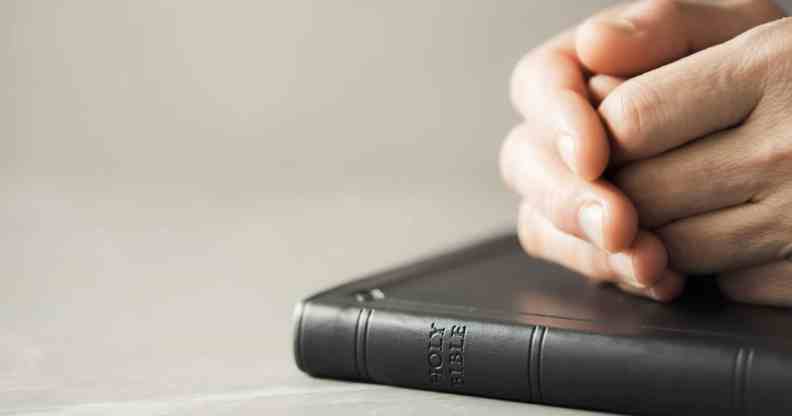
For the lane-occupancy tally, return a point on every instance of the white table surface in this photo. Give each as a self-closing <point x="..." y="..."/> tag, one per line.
<point x="175" y="176"/>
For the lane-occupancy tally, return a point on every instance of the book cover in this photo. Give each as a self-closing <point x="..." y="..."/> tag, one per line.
<point x="488" y="320"/>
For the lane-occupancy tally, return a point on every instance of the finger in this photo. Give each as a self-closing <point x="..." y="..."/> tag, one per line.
<point x="601" y="85"/>
<point x="706" y="92"/>
<point x="768" y="284"/>
<point x="548" y="88"/>
<point x="649" y="34"/>
<point x="667" y="288"/>
<point x="594" y="211"/>
<point x="640" y="266"/>
<point x="706" y="175"/>
<point x="733" y="238"/>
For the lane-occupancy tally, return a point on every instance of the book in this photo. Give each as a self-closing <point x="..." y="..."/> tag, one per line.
<point x="488" y="320"/>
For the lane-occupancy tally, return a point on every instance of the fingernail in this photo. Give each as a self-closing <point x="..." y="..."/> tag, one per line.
<point x="566" y="147"/>
<point x="660" y="290"/>
<point x="590" y="219"/>
<point x="655" y="294"/>
<point x="623" y="265"/>
<point x="621" y="24"/>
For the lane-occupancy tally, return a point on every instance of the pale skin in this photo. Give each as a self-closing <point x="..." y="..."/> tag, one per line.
<point x="688" y="105"/>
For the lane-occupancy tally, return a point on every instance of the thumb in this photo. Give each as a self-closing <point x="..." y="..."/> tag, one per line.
<point x="648" y="34"/>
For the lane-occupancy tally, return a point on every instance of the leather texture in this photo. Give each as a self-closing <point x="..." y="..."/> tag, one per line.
<point x="488" y="320"/>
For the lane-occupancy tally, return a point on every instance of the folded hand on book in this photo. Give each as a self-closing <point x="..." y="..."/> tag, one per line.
<point x="657" y="144"/>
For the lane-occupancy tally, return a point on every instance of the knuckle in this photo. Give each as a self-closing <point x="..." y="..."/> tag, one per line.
<point x="628" y="112"/>
<point x="773" y="158"/>
<point x="768" y="49"/>
<point x="769" y="160"/>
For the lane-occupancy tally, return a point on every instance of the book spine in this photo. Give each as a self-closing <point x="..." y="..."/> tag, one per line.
<point x="643" y="373"/>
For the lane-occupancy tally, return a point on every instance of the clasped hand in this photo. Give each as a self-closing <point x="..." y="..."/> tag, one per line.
<point x="657" y="144"/>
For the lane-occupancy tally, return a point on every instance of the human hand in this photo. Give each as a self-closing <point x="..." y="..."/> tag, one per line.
<point x="558" y="177"/>
<point x="712" y="134"/>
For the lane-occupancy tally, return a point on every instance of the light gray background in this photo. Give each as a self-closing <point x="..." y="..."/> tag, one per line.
<point x="175" y="175"/>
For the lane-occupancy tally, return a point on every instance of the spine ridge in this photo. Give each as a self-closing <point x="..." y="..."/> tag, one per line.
<point x="361" y="334"/>
<point x="535" y="363"/>
<point x="642" y="373"/>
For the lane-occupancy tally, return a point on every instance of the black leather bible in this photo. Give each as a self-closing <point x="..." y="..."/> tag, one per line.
<point x="488" y="320"/>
